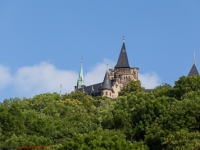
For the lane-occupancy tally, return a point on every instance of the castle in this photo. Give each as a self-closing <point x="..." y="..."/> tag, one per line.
<point x="115" y="79"/>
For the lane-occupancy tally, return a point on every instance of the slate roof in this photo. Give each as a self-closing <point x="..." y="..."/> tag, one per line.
<point x="94" y="90"/>
<point x="106" y="85"/>
<point x="123" y="59"/>
<point x="193" y="71"/>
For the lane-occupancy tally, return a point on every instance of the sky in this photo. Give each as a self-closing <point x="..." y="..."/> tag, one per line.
<point x="42" y="42"/>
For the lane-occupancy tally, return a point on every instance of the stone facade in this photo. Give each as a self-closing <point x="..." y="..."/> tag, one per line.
<point x="120" y="77"/>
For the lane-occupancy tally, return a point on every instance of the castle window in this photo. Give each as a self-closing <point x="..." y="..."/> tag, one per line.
<point x="110" y="93"/>
<point x="106" y="93"/>
<point x="102" y="93"/>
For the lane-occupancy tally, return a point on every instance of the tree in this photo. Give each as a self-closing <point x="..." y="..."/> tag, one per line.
<point x="132" y="86"/>
<point x="183" y="140"/>
<point x="101" y="140"/>
<point x="162" y="90"/>
<point x="87" y="100"/>
<point x="185" y="85"/>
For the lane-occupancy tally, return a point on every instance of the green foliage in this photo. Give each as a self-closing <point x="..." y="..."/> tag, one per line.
<point x="164" y="118"/>
<point x="183" y="140"/>
<point x="87" y="100"/>
<point x="101" y="140"/>
<point x="132" y="86"/>
<point x="162" y="90"/>
<point x="185" y="85"/>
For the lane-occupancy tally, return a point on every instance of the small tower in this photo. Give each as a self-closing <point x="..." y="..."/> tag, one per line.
<point x="193" y="70"/>
<point x="106" y="89"/>
<point x="80" y="81"/>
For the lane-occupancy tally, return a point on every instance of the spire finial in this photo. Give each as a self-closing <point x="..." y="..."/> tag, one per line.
<point x="82" y="59"/>
<point x="194" y="56"/>
<point x="60" y="90"/>
<point x="123" y="39"/>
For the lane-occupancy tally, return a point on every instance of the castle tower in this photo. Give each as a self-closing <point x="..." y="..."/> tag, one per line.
<point x="80" y="81"/>
<point x="106" y="89"/>
<point x="114" y="79"/>
<point x="122" y="73"/>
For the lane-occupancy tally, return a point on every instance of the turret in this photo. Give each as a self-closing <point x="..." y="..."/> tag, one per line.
<point x="106" y="89"/>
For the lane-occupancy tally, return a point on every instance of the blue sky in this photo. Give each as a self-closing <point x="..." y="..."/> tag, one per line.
<point x="42" y="42"/>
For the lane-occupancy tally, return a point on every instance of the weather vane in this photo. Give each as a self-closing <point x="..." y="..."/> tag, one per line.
<point x="123" y="38"/>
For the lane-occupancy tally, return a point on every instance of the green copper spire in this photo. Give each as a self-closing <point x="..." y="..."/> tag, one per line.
<point x="80" y="81"/>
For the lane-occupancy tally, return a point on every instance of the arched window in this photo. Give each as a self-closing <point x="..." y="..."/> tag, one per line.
<point x="110" y="93"/>
<point x="102" y="93"/>
<point x="106" y="93"/>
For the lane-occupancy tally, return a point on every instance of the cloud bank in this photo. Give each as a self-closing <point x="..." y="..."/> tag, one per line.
<point x="149" y="80"/>
<point x="42" y="78"/>
<point x="45" y="77"/>
<point x="96" y="73"/>
<point x="5" y="76"/>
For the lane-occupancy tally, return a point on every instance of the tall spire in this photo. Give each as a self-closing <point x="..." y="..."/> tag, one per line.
<point x="106" y="85"/>
<point x="123" y="59"/>
<point x="194" y="57"/>
<point x="80" y="81"/>
<point x="193" y="70"/>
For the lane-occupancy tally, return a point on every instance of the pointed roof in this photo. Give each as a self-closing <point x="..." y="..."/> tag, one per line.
<point x="106" y="85"/>
<point x="123" y="59"/>
<point x="193" y="71"/>
<point x="80" y="81"/>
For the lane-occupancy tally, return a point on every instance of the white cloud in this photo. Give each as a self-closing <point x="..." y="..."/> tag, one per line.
<point x="97" y="72"/>
<point x="5" y="77"/>
<point x="45" y="77"/>
<point x="42" y="78"/>
<point x="149" y="80"/>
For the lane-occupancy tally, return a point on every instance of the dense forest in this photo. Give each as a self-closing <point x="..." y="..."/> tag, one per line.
<point x="167" y="117"/>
